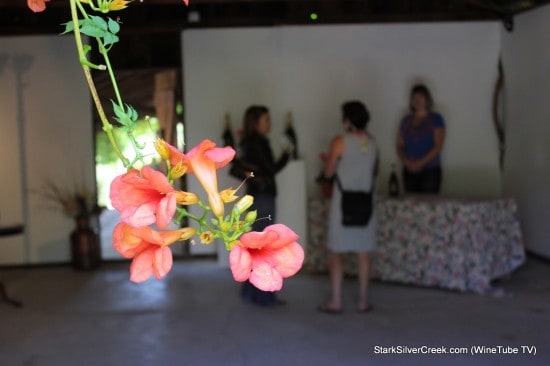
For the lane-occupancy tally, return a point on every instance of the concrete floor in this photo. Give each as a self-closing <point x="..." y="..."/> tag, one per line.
<point x="195" y="317"/>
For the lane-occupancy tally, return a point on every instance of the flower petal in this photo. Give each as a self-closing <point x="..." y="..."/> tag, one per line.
<point x="221" y="156"/>
<point x="285" y="236"/>
<point x="288" y="260"/>
<point x="265" y="278"/>
<point x="162" y="262"/>
<point x="142" y="266"/>
<point x="257" y="240"/>
<point x="165" y="210"/>
<point x="240" y="263"/>
<point x="142" y="215"/>
<point x="143" y="197"/>
<point x="126" y="242"/>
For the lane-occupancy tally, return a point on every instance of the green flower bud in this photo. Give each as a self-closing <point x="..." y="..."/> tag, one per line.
<point x="244" y="204"/>
<point x="225" y="226"/>
<point x="251" y="217"/>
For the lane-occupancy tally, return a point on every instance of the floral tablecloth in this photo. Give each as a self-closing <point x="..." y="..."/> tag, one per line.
<point x="456" y="244"/>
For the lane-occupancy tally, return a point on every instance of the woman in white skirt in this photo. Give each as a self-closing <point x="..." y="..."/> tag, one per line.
<point x="353" y="158"/>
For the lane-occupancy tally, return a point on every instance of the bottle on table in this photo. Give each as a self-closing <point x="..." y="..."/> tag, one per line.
<point x="227" y="135"/>
<point x="290" y="135"/>
<point x="393" y="188"/>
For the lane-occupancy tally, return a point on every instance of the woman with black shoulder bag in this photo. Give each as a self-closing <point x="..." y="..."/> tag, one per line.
<point x="352" y="161"/>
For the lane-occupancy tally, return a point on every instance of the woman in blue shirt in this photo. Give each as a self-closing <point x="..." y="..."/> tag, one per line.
<point x="419" y="144"/>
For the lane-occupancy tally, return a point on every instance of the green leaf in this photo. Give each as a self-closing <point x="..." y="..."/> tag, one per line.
<point x="69" y="27"/>
<point x="109" y="39"/>
<point x="99" y="22"/>
<point x="114" y="27"/>
<point x="126" y="117"/>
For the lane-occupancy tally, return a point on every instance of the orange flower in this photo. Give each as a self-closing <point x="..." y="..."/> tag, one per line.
<point x="37" y="5"/>
<point x="265" y="258"/>
<point x="148" y="248"/>
<point x="203" y="160"/>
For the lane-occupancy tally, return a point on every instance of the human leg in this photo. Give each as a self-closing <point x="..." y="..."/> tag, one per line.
<point x="363" y="260"/>
<point x="411" y="182"/>
<point x="336" y="274"/>
<point x="431" y="180"/>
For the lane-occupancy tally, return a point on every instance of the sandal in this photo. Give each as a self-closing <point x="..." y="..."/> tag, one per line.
<point x="324" y="308"/>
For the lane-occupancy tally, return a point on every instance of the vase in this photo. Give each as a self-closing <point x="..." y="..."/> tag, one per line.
<point x="85" y="246"/>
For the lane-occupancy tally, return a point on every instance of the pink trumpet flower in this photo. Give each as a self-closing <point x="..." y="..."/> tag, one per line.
<point x="203" y="160"/>
<point x="266" y="257"/>
<point x="144" y="198"/>
<point x="148" y="248"/>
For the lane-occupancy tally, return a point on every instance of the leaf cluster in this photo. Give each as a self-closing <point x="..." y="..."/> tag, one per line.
<point x="97" y="27"/>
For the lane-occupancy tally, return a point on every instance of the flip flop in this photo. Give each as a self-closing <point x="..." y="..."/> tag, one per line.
<point x="323" y="308"/>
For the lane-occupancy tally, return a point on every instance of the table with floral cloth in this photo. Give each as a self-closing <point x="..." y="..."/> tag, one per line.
<point x="431" y="241"/>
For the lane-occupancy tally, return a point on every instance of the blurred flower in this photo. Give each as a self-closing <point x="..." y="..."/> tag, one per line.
<point x="37" y="5"/>
<point x="265" y="258"/>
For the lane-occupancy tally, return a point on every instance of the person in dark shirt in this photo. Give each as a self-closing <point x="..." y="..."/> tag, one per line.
<point x="255" y="151"/>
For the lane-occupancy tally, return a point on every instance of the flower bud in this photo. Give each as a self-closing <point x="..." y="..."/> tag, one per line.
<point x="117" y="4"/>
<point x="228" y="195"/>
<point x="225" y="226"/>
<point x="243" y="204"/>
<point x="178" y="170"/>
<point x="187" y="232"/>
<point x="162" y="149"/>
<point x="186" y="198"/>
<point x="251" y="217"/>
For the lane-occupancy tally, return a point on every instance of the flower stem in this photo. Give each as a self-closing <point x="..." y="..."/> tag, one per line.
<point x="107" y="127"/>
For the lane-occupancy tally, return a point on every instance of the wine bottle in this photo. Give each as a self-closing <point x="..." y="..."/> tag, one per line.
<point x="394" y="183"/>
<point x="227" y="134"/>
<point x="290" y="134"/>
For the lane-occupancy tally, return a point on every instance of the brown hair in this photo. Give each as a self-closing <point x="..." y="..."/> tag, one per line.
<point x="251" y="118"/>
<point x="425" y="92"/>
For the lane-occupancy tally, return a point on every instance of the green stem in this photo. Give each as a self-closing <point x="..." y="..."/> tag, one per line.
<point x="107" y="127"/>
<point x="103" y="51"/>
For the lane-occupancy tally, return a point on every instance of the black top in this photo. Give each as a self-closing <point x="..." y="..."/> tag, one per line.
<point x="257" y="151"/>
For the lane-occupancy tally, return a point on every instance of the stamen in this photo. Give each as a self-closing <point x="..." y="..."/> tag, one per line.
<point x="251" y="175"/>
<point x="268" y="217"/>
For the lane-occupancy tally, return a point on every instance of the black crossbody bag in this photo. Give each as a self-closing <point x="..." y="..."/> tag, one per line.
<point x="356" y="206"/>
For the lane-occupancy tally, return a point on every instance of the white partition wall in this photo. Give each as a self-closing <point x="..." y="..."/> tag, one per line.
<point x="46" y="135"/>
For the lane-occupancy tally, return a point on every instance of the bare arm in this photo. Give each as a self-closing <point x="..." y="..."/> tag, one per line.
<point x="335" y="152"/>
<point x="416" y="165"/>
<point x="439" y="137"/>
<point x="401" y="149"/>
